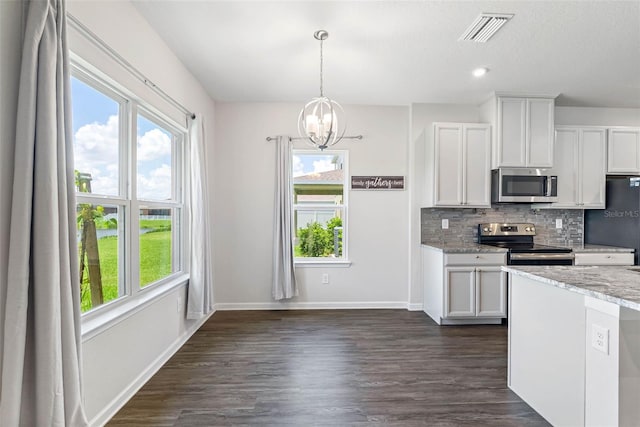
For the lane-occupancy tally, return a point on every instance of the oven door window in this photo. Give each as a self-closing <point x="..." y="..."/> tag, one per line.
<point x="517" y="185"/>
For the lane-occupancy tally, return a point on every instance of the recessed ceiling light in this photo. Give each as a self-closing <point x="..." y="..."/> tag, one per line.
<point x="479" y="72"/>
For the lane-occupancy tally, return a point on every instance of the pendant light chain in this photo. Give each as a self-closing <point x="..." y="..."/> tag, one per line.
<point x="321" y="76"/>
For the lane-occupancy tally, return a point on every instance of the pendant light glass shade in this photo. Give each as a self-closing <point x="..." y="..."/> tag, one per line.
<point x="322" y="121"/>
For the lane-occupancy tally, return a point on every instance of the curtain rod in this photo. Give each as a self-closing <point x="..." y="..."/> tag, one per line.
<point x="273" y="138"/>
<point x="92" y="37"/>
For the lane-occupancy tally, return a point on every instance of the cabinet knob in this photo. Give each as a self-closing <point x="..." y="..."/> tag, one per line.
<point x="477" y="256"/>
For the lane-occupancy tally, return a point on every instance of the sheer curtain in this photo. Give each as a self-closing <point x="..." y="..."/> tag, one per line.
<point x="284" y="275"/>
<point x="200" y="295"/>
<point x="41" y="361"/>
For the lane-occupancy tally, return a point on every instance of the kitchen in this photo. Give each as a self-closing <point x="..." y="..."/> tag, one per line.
<point x="478" y="266"/>
<point x="387" y="260"/>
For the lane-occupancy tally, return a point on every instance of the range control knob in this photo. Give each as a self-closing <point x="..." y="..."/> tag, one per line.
<point x="486" y="229"/>
<point x="527" y="229"/>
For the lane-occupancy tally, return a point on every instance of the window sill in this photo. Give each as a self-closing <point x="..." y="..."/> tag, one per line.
<point x="322" y="263"/>
<point x="94" y="323"/>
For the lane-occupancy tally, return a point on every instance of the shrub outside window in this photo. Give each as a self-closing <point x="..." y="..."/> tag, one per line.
<point x="319" y="205"/>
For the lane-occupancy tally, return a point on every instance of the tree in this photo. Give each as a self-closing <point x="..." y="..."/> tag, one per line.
<point x="87" y="216"/>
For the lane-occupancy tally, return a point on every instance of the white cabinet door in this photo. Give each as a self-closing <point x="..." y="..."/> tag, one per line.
<point x="604" y="258"/>
<point x="511" y="128"/>
<point x="491" y="292"/>
<point x="592" y="176"/>
<point x="459" y="292"/>
<point x="476" y="189"/>
<point x="623" y="153"/>
<point x="448" y="164"/>
<point x="525" y="132"/>
<point x="540" y="132"/>
<point x="580" y="167"/>
<point x="566" y="167"/>
<point x="461" y="165"/>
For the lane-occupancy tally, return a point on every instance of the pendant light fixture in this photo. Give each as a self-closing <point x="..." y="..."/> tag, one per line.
<point x="322" y="121"/>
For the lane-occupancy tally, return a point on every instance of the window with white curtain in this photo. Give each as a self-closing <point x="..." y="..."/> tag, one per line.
<point x="320" y="205"/>
<point x="129" y="166"/>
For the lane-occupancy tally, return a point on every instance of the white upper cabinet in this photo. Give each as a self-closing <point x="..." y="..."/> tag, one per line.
<point x="580" y="167"/>
<point x="524" y="130"/>
<point x="623" y="152"/>
<point x="458" y="165"/>
<point x="511" y="132"/>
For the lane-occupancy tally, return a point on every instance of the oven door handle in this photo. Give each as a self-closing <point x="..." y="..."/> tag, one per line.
<point x="538" y="256"/>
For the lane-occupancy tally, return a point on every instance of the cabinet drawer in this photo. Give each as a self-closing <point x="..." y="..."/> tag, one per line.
<point x="618" y="258"/>
<point x="476" y="258"/>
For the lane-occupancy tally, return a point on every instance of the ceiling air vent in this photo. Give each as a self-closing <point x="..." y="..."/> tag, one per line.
<point x="485" y="26"/>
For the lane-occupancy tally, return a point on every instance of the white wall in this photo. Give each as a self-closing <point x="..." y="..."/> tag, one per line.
<point x="377" y="220"/>
<point x="10" y="43"/>
<point x="422" y="118"/>
<point x="121" y="358"/>
<point x="586" y="116"/>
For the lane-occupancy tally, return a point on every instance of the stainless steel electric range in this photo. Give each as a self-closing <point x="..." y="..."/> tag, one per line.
<point x="522" y="250"/>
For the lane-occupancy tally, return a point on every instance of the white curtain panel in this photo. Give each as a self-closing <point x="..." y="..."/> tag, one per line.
<point x="200" y="293"/>
<point x="284" y="275"/>
<point x="41" y="337"/>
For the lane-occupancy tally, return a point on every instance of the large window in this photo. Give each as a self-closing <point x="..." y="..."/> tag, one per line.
<point x="128" y="167"/>
<point x="319" y="205"/>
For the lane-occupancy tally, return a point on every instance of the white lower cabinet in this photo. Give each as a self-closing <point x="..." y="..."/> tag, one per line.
<point x="464" y="287"/>
<point x="474" y="292"/>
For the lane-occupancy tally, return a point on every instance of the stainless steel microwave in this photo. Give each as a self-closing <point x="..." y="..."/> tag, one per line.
<point x="523" y="186"/>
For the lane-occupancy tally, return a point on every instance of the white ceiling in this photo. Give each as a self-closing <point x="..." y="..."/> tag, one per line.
<point x="403" y="52"/>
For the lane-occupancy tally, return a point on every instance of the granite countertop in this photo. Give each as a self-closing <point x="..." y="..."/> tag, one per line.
<point x="454" y="247"/>
<point x="618" y="285"/>
<point x="599" y="249"/>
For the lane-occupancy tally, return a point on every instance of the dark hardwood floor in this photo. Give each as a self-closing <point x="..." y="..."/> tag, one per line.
<point x="333" y="368"/>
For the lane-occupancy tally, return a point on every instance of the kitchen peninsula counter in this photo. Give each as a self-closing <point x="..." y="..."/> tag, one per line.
<point x="574" y="342"/>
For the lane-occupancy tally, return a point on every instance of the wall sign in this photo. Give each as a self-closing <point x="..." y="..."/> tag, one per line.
<point x="377" y="182"/>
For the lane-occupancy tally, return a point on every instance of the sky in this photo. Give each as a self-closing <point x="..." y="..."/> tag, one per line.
<point x="311" y="163"/>
<point x="95" y="130"/>
<point x="95" y="135"/>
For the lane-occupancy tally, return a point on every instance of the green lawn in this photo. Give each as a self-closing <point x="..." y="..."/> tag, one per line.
<point x="155" y="261"/>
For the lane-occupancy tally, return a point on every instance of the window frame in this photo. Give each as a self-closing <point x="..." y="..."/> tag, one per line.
<point x="343" y="261"/>
<point x="134" y="297"/>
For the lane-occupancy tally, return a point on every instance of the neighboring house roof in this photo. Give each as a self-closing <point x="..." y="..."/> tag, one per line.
<point x="329" y="177"/>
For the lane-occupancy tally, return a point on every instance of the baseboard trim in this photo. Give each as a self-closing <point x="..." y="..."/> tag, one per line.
<point x="123" y="397"/>
<point x="310" y="305"/>
<point x="415" y="307"/>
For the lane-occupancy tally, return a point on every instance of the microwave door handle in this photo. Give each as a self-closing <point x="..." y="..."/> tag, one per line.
<point x="549" y="185"/>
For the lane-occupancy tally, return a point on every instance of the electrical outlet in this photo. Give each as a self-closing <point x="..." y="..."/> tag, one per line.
<point x="179" y="304"/>
<point x="325" y="278"/>
<point x="559" y="223"/>
<point x="600" y="338"/>
<point x="445" y="224"/>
